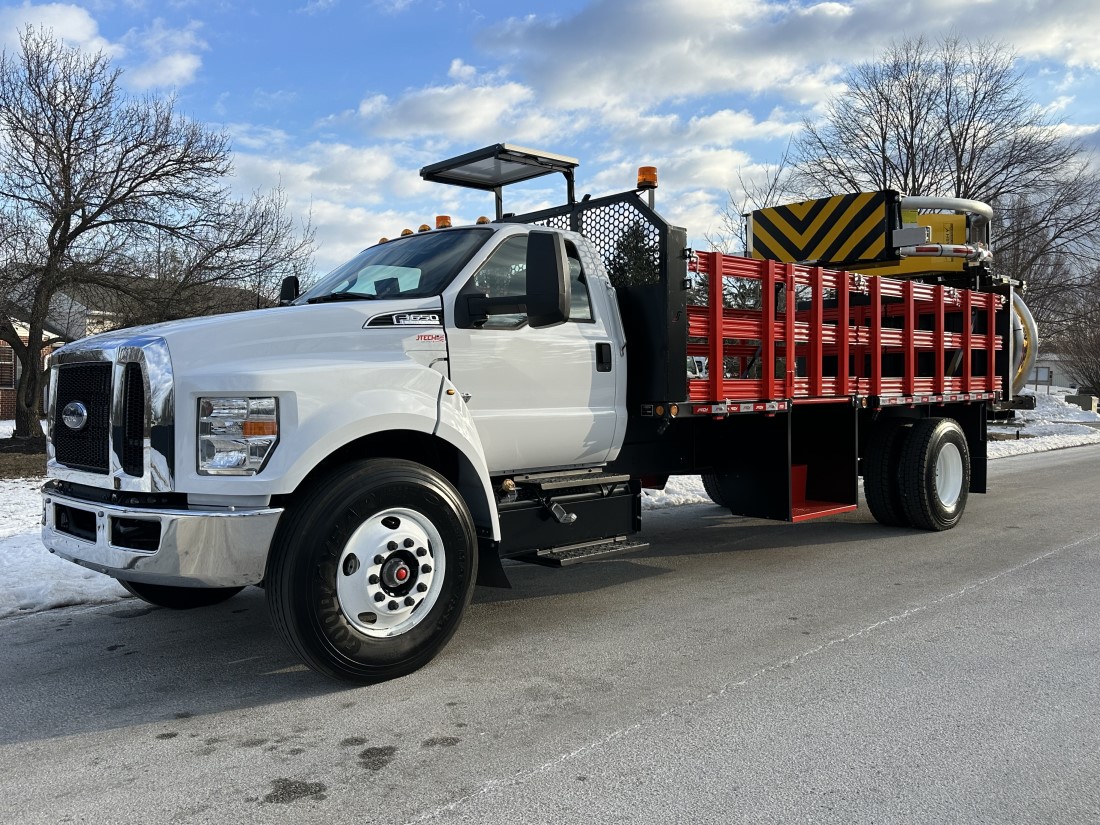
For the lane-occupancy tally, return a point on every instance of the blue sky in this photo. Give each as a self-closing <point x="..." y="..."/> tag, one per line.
<point x="342" y="102"/>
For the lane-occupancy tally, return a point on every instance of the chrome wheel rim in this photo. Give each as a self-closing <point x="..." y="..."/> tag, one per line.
<point x="390" y="573"/>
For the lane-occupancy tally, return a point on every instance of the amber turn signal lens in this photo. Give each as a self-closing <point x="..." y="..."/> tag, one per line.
<point x="253" y="427"/>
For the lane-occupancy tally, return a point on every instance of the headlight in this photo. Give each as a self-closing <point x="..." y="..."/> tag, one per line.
<point x="236" y="435"/>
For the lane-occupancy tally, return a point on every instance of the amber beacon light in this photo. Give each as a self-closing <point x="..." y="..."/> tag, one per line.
<point x="647" y="181"/>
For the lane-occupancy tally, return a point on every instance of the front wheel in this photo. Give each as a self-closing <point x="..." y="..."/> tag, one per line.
<point x="935" y="474"/>
<point x="369" y="576"/>
<point x="179" y="598"/>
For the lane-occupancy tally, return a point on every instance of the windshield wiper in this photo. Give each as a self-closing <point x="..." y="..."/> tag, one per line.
<point x="342" y="296"/>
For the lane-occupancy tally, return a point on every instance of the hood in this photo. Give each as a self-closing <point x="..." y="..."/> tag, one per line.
<point x="263" y="334"/>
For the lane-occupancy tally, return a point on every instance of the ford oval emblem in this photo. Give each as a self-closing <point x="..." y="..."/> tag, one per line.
<point x="75" y="416"/>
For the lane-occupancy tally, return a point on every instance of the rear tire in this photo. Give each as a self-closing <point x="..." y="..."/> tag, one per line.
<point x="369" y="575"/>
<point x="935" y="474"/>
<point x="881" y="463"/>
<point x="179" y="598"/>
<point x="713" y="489"/>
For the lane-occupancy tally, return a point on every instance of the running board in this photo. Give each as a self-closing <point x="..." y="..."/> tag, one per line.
<point x="548" y="482"/>
<point x="576" y="553"/>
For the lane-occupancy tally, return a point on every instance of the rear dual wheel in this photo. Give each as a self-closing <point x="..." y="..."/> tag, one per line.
<point x="713" y="488"/>
<point x="917" y="473"/>
<point x="881" y="486"/>
<point x="935" y="474"/>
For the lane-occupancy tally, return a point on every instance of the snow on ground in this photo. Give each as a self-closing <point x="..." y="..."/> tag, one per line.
<point x="31" y="579"/>
<point x="1050" y="426"/>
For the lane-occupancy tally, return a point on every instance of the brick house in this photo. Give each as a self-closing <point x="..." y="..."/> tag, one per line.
<point x="10" y="371"/>
<point x="68" y="321"/>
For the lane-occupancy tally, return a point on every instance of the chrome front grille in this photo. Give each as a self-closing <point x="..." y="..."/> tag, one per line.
<point x="130" y="443"/>
<point x="111" y="414"/>
<point x="84" y="448"/>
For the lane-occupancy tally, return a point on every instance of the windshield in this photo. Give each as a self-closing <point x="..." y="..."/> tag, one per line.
<point x="415" y="266"/>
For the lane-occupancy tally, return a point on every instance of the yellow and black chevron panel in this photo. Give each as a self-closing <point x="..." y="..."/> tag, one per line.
<point x="841" y="231"/>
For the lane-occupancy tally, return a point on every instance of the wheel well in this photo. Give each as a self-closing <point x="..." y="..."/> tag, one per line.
<point x="423" y="448"/>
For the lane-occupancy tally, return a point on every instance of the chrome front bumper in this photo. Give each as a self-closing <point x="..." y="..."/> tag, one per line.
<point x="188" y="548"/>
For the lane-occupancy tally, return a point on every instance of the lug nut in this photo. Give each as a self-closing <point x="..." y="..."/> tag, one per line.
<point x="409" y="542"/>
<point x="409" y="601"/>
<point x="372" y="579"/>
<point x="425" y="568"/>
<point x="393" y="605"/>
<point x="420" y="551"/>
<point x="379" y="597"/>
<point x="379" y="559"/>
<point x="420" y="588"/>
<point x="391" y="546"/>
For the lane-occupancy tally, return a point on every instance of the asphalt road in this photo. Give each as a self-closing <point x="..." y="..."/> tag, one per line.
<point x="738" y="671"/>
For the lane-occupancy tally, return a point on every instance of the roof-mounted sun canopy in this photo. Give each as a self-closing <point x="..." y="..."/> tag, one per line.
<point x="497" y="166"/>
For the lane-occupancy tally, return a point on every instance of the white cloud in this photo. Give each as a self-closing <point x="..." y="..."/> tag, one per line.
<point x="72" y="24"/>
<point x="461" y="72"/>
<point x="460" y="113"/>
<point x="391" y="6"/>
<point x="170" y="56"/>
<point x="171" y="70"/>
<point x="664" y="50"/>
<point x="279" y="99"/>
<point x="317" y="6"/>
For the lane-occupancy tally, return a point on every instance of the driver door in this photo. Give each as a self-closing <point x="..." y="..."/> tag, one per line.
<point x="540" y="398"/>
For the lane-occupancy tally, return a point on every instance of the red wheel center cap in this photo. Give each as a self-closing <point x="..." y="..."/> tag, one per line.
<point x="401" y="573"/>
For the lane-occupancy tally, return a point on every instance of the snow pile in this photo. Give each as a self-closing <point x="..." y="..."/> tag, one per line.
<point x="1052" y="425"/>
<point x="679" y="490"/>
<point x="30" y="577"/>
<point x="8" y="427"/>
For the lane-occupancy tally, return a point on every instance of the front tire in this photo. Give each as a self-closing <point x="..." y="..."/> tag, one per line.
<point x="369" y="576"/>
<point x="935" y="474"/>
<point x="179" y="598"/>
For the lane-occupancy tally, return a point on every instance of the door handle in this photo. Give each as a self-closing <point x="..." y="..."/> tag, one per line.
<point x="603" y="357"/>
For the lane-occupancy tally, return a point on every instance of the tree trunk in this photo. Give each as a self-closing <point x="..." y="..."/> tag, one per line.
<point x="28" y="394"/>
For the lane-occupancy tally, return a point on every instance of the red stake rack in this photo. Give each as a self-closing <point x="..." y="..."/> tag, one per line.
<point x="818" y="334"/>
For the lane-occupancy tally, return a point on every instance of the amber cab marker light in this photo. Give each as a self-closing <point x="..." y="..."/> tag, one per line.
<point x="442" y="221"/>
<point x="482" y="220"/>
<point x="405" y="232"/>
<point x="424" y="228"/>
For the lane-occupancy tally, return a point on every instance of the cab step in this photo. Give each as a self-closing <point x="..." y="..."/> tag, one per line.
<point x="589" y="551"/>
<point x="548" y="482"/>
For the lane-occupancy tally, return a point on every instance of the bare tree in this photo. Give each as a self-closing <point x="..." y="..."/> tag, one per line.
<point x="92" y="181"/>
<point x="768" y="186"/>
<point x="955" y="119"/>
<point x="1079" y="341"/>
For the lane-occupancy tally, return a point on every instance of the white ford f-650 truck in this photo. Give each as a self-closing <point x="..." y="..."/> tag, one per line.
<point x="450" y="398"/>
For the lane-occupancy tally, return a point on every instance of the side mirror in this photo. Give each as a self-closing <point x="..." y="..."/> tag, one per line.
<point x="288" y="290"/>
<point x="547" y="279"/>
